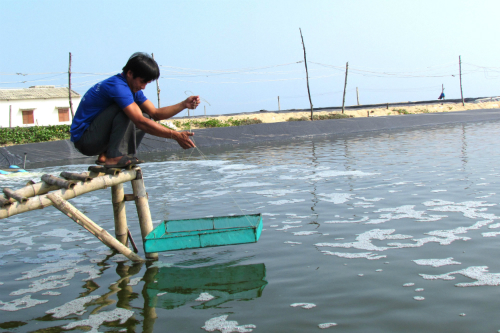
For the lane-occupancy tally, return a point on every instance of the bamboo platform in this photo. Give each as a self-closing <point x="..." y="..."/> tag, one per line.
<point x="55" y="191"/>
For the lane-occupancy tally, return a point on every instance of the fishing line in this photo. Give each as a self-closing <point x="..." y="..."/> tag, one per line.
<point x="204" y="157"/>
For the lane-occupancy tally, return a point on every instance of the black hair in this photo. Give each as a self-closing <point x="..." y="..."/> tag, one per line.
<point x="142" y="65"/>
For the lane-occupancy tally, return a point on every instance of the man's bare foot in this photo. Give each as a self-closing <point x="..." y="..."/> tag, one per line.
<point x="101" y="159"/>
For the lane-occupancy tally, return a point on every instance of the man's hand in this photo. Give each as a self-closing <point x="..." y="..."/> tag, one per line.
<point x="192" y="102"/>
<point x="183" y="139"/>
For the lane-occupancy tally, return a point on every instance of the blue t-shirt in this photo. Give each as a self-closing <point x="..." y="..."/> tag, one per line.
<point x="113" y="90"/>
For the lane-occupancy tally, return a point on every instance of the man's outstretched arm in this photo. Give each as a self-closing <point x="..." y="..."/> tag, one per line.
<point x="149" y="126"/>
<point x="169" y="111"/>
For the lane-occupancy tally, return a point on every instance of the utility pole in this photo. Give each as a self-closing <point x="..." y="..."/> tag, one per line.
<point x="345" y="84"/>
<point x="157" y="84"/>
<point x="307" y="74"/>
<point x="69" y="88"/>
<point x="460" y="68"/>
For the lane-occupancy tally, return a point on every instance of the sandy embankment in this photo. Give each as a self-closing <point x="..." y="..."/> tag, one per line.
<point x="273" y="117"/>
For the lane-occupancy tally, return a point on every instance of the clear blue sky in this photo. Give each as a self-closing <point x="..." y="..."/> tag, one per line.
<point x="240" y="55"/>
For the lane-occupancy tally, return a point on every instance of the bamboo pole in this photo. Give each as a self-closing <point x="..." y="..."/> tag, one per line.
<point x="10" y="115"/>
<point x="61" y="183"/>
<point x="460" y="69"/>
<point x="157" y="84"/>
<point x="279" y="107"/>
<point x="143" y="212"/>
<point x="307" y="73"/>
<point x="13" y="195"/>
<point x="121" y="228"/>
<point x="69" y="88"/>
<point x="357" y="94"/>
<point x="82" y="177"/>
<point x="345" y="84"/>
<point x="41" y="201"/>
<point x="88" y="224"/>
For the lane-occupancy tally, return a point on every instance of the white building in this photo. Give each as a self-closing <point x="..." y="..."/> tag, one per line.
<point x="38" y="105"/>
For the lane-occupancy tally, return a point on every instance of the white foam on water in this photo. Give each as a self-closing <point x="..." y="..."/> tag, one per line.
<point x="436" y="262"/>
<point x="134" y="281"/>
<point x="490" y="234"/>
<point x="275" y="193"/>
<point x="204" y="297"/>
<point x="494" y="226"/>
<point x="403" y="212"/>
<point x="303" y="305"/>
<point x="379" y="270"/>
<point x="364" y="255"/>
<point x="96" y="320"/>
<point x="409" y="284"/>
<point x="370" y="200"/>
<point x="363" y="219"/>
<point x="58" y="281"/>
<point x="269" y="214"/>
<point x="418" y="298"/>
<point x="304" y="233"/>
<point x="336" y="198"/>
<point x="21" y="240"/>
<point x="51" y="293"/>
<point x="21" y="303"/>
<point x="274" y="226"/>
<point x="294" y="243"/>
<point x="327" y="325"/>
<point x="283" y="202"/>
<point x="221" y="324"/>
<point x="76" y="306"/>
<point x="478" y="273"/>
<point x="252" y="184"/>
<point x="363" y="241"/>
<point x="437" y="191"/>
<point x="212" y="193"/>
<point x="291" y="222"/>
<point x="161" y="294"/>
<point x="419" y="290"/>
<point x="287" y="226"/>
<point x="68" y="235"/>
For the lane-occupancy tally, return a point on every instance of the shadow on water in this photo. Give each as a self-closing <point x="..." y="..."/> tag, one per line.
<point x="172" y="287"/>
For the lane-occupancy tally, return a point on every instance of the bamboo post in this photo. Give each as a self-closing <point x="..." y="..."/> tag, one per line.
<point x="143" y="212"/>
<point x="121" y="228"/>
<point x="62" y="183"/>
<point x="10" y="115"/>
<point x="157" y="84"/>
<point x="93" y="228"/>
<point x="69" y="88"/>
<point x="345" y="85"/>
<point x="42" y="201"/>
<point x="279" y="107"/>
<point x="357" y="94"/>
<point x="460" y="69"/>
<point x="76" y="176"/>
<point x="307" y="74"/>
<point x="13" y="195"/>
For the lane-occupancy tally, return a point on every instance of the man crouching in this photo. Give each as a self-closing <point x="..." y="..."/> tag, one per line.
<point x="114" y="115"/>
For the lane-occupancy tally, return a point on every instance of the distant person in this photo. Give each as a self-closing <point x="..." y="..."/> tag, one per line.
<point x="441" y="96"/>
<point x="114" y="115"/>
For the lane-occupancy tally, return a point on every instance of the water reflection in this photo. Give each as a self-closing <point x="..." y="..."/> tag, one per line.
<point x="172" y="287"/>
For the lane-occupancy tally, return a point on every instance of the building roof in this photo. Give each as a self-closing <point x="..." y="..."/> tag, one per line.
<point x="36" y="92"/>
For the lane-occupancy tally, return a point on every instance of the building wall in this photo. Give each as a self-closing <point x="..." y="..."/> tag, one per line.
<point x="46" y="111"/>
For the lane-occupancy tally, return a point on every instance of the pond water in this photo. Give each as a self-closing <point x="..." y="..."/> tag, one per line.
<point x="379" y="232"/>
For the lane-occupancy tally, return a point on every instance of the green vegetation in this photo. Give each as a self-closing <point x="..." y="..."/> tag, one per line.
<point x="401" y="111"/>
<point x="321" y="117"/>
<point x="185" y="125"/>
<point x="22" y="135"/>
